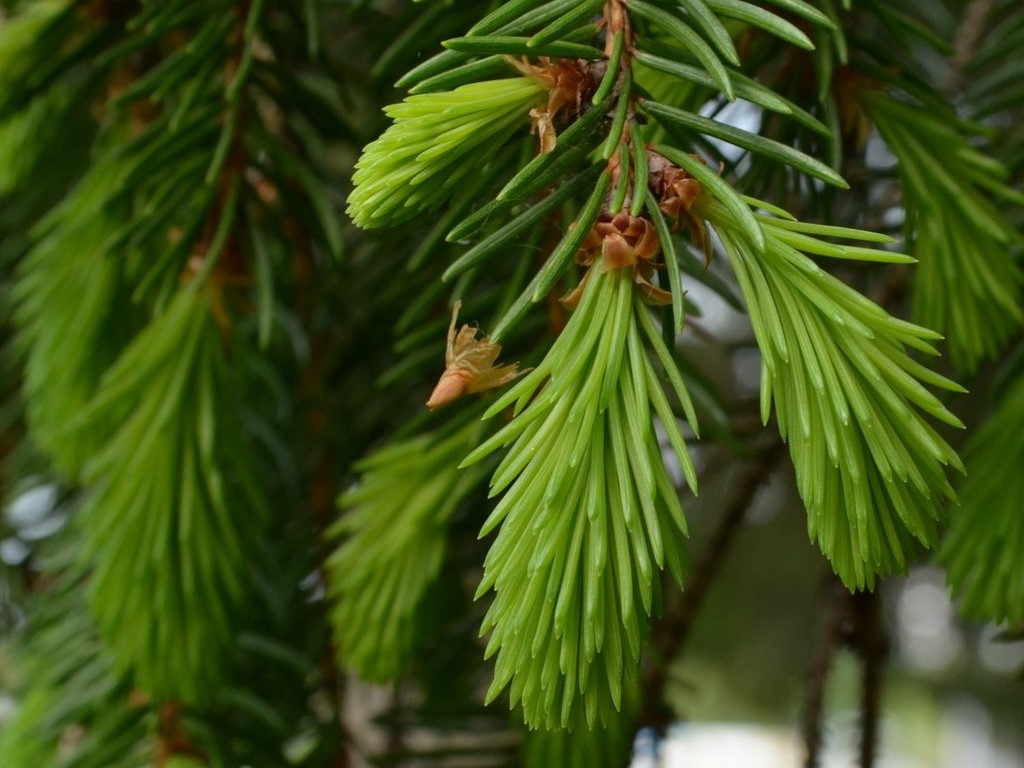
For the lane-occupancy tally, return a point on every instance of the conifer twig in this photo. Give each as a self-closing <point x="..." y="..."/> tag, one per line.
<point x="972" y="27"/>
<point x="854" y="620"/>
<point x="872" y="646"/>
<point x="834" y="602"/>
<point x="172" y="738"/>
<point x="321" y="481"/>
<point x="670" y="634"/>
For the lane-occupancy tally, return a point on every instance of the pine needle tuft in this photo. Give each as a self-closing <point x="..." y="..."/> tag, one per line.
<point x="983" y="547"/>
<point x="392" y="541"/>
<point x="588" y="516"/>
<point x="420" y="161"/>
<point x="849" y="401"/>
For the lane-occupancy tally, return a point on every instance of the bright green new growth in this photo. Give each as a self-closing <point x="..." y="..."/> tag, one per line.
<point x="982" y="550"/>
<point x="21" y="35"/>
<point x="589" y="512"/>
<point x="395" y="532"/>
<point x="438" y="141"/>
<point x="848" y="397"/>
<point x="190" y="137"/>
<point x="72" y="685"/>
<point x="168" y="546"/>
<point x="967" y="285"/>
<point x="67" y="299"/>
<point x="25" y="135"/>
<point x="181" y="761"/>
<point x="580" y="746"/>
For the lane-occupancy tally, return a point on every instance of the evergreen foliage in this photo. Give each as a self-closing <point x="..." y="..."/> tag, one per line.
<point x="221" y="375"/>
<point x="585" y="533"/>
<point x="954" y="226"/>
<point x="837" y="369"/>
<point x="378" y="579"/>
<point x="986" y="531"/>
<point x="432" y="135"/>
<point x="160" y="539"/>
<point x="73" y="686"/>
<point x="67" y="300"/>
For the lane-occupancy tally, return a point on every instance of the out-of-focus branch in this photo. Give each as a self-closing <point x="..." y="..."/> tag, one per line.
<point x="669" y="635"/>
<point x="969" y="34"/>
<point x="873" y="647"/>
<point x="854" y="621"/>
<point x="834" y="602"/>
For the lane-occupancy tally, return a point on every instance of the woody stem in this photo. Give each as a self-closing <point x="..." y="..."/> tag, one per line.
<point x="617" y="23"/>
<point x="616" y="20"/>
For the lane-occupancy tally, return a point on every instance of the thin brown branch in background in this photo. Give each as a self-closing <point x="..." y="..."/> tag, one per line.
<point x="852" y="620"/>
<point x="970" y="32"/>
<point x="835" y="604"/>
<point x="873" y="647"/>
<point x="321" y="480"/>
<point x="746" y="485"/>
<point x="172" y="738"/>
<point x="313" y="395"/>
<point x="893" y="289"/>
<point x="669" y="635"/>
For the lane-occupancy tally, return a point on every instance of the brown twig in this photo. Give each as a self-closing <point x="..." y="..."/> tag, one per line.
<point x="617" y="21"/>
<point x="322" y="451"/>
<point x="172" y="739"/>
<point x="669" y="635"/>
<point x="872" y="646"/>
<point x="835" y="603"/>
<point x="893" y="289"/>
<point x="970" y="32"/>
<point x="853" y="620"/>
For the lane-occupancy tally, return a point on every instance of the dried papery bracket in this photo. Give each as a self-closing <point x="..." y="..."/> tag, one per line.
<point x="469" y="365"/>
<point x="622" y="240"/>
<point x="569" y="81"/>
<point x="676" y="191"/>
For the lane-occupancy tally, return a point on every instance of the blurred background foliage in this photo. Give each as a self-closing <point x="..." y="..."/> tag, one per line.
<point x="202" y="357"/>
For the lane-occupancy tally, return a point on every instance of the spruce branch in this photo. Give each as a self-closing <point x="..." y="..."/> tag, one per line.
<point x="587" y="513"/>
<point x="673" y="41"/>
<point x="580" y="746"/>
<point x="982" y="547"/>
<point x="847" y="397"/>
<point x="185" y="186"/>
<point x="69" y="688"/>
<point x="202" y="334"/>
<point x="596" y="375"/>
<point x="430" y="138"/>
<point x="392" y="539"/>
<point x="172" y="490"/>
<point x="968" y="283"/>
<point x="28" y="67"/>
<point x="71" y="308"/>
<point x="32" y="136"/>
<point x="180" y="534"/>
